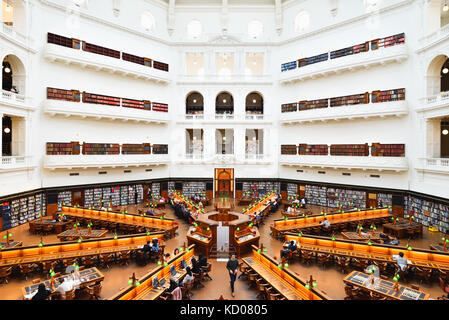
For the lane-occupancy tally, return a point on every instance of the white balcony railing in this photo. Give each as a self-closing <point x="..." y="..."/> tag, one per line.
<point x="13" y="97"/>
<point x="370" y="110"/>
<point x="435" y="165"/>
<point x="246" y="118"/>
<point x="434" y="105"/>
<point x="100" y="62"/>
<point x="95" y="111"/>
<point x="14" y="163"/>
<point x="346" y="162"/>
<point x="225" y="159"/>
<point x="103" y="161"/>
<point x="11" y="33"/>
<point x="353" y="62"/>
<point x="434" y="37"/>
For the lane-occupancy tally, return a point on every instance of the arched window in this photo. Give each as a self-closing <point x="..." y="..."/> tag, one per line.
<point x="302" y="21"/>
<point x="437" y="76"/>
<point x="255" y="29"/>
<point x="254" y="103"/>
<point x="224" y="103"/>
<point x="194" y="29"/>
<point x="147" y="21"/>
<point x="194" y="103"/>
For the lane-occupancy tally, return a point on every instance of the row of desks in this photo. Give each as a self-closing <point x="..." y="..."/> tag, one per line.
<point x="168" y="225"/>
<point x="146" y="291"/>
<point x="376" y="252"/>
<point x="57" y="226"/>
<point x="70" y="250"/>
<point x="382" y="287"/>
<point x="73" y="234"/>
<point x="261" y="206"/>
<point x="282" y="280"/>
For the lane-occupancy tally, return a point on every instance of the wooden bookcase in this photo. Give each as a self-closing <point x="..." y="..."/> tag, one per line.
<point x="388" y="41"/>
<point x="289" y="107"/>
<point x="160" y="107"/>
<point x="358" y="48"/>
<point x="160" y="65"/>
<point x="65" y="95"/>
<point x="100" y="99"/>
<point x="387" y="150"/>
<point x="63" y="41"/>
<point x="362" y="98"/>
<point x="93" y="48"/>
<point x="289" y="149"/>
<point x="354" y="150"/>
<point x="144" y="148"/>
<point x="313" y="149"/>
<point x="388" y="95"/>
<point x="63" y="148"/>
<point x="288" y="66"/>
<point x="312" y="60"/>
<point x="101" y="148"/>
<point x="313" y="104"/>
<point x="160" y="148"/>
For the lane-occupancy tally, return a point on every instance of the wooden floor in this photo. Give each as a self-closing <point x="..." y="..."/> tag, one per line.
<point x="329" y="280"/>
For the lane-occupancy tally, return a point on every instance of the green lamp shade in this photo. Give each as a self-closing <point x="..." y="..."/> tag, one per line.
<point x="181" y="249"/>
<point x="333" y="238"/>
<point x="286" y="265"/>
<point x="369" y="243"/>
<point x="165" y="264"/>
<point x="314" y="284"/>
<point x="307" y="286"/>
<point x="159" y="263"/>
<point x="79" y="240"/>
<point x="137" y="283"/>
<point x="238" y="229"/>
<point x="4" y="237"/>
<point x="410" y="248"/>
<point x="115" y="237"/>
<point x="264" y="250"/>
<point x="130" y="282"/>
<point x="258" y="251"/>
<point x="395" y="279"/>
<point x="279" y="266"/>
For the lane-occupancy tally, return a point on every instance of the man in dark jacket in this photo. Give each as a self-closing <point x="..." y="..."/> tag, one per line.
<point x="232" y="266"/>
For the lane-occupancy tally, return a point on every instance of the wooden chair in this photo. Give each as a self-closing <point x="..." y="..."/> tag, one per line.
<point x="351" y="292"/>
<point x="383" y="266"/>
<point x="383" y="277"/>
<point x="443" y="275"/>
<point x="423" y="274"/>
<point x="26" y="269"/>
<point x="324" y="259"/>
<point x="68" y="262"/>
<point x="48" y="229"/>
<point x="5" y="273"/>
<point x="306" y="256"/>
<point x="375" y="296"/>
<point x="35" y="281"/>
<point x="343" y="263"/>
<point x="414" y="287"/>
<point x="32" y="228"/>
<point x="94" y="291"/>
<point x="243" y="270"/>
<point x="261" y="284"/>
<point x="197" y="278"/>
<point x="48" y="265"/>
<point x="186" y="290"/>
<point x="403" y="274"/>
<point x="106" y="259"/>
<point x="445" y="287"/>
<point x="89" y="261"/>
<point x="271" y="294"/>
<point x="206" y="271"/>
<point x="359" y="264"/>
<point x="124" y="257"/>
<point x="252" y="277"/>
<point x="70" y="295"/>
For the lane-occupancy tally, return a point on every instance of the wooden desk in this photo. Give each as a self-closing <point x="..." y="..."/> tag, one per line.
<point x="261" y="207"/>
<point x="69" y="250"/>
<point x="439" y="247"/>
<point x="58" y="226"/>
<point x="245" y="241"/>
<point x="283" y="281"/>
<point x="87" y="277"/>
<point x="168" y="225"/>
<point x="146" y="291"/>
<point x="376" y="252"/>
<point x="71" y="234"/>
<point x="365" y="236"/>
<point x="12" y="244"/>
<point x="384" y="287"/>
<point x="399" y="230"/>
<point x="301" y="224"/>
<point x="202" y="244"/>
<point x="245" y="202"/>
<point x="223" y="205"/>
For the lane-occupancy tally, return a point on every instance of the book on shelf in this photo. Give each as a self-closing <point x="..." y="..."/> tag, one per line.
<point x="115" y="196"/>
<point x="89" y="198"/>
<point x="155" y="189"/>
<point x="384" y="200"/>
<point x="355" y="150"/>
<point x="93" y="48"/>
<point x="356" y="49"/>
<point x="346" y="199"/>
<point x="388" y="41"/>
<point x="316" y="195"/>
<point x="312" y="60"/>
<point x="160" y="148"/>
<point x="63" y="148"/>
<point x="292" y="190"/>
<point x="64" y="198"/>
<point x="124" y="195"/>
<point x="100" y="148"/>
<point x="160" y="65"/>
<point x="100" y="99"/>
<point x="98" y="195"/>
<point x="160" y="107"/>
<point x="313" y="104"/>
<point x="362" y="98"/>
<point x="136" y="59"/>
<point x="62" y="94"/>
<point x="289" y="149"/>
<point x="387" y="150"/>
<point x="63" y="41"/>
<point x="143" y="148"/>
<point x="388" y="95"/>
<point x="190" y="189"/>
<point x="289" y="107"/>
<point x="313" y="149"/>
<point x="288" y="66"/>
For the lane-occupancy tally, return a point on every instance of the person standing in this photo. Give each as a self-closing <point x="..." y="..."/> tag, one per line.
<point x="232" y="267"/>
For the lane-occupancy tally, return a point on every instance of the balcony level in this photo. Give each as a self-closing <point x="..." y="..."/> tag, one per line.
<point x="14" y="36"/>
<point x="17" y="163"/>
<point x="98" y="112"/>
<point x="433" y="165"/>
<point x="435" y="105"/>
<point x="364" y="60"/>
<point x="396" y="164"/>
<point x="235" y="79"/>
<point x="69" y="162"/>
<point x="88" y="60"/>
<point x="224" y="159"/>
<point x="365" y="111"/>
<point x="225" y="118"/>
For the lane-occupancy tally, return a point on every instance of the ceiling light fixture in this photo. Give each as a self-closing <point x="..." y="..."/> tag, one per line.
<point x="254" y="100"/>
<point x="7" y="70"/>
<point x="194" y="100"/>
<point x="445" y="7"/>
<point x="224" y="100"/>
<point x="445" y="70"/>
<point x="445" y="132"/>
<point x="7" y="130"/>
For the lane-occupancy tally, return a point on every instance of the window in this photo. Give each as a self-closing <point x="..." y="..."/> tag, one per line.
<point x="147" y="21"/>
<point x="302" y="21"/>
<point x="194" y="29"/>
<point x="255" y="29"/>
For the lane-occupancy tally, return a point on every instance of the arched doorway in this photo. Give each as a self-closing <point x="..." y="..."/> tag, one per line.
<point x="254" y="103"/>
<point x="224" y="183"/>
<point x="437" y="76"/>
<point x="194" y="103"/>
<point x="13" y="74"/>
<point x="224" y="103"/>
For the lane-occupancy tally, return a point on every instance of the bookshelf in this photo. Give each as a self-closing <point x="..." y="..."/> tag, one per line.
<point x="62" y="148"/>
<point x="316" y="195"/>
<point x="98" y="195"/>
<point x="388" y="41"/>
<point x="313" y="149"/>
<point x="31" y="208"/>
<point x="160" y="65"/>
<point x="428" y="213"/>
<point x="65" y="95"/>
<point x="155" y="189"/>
<point x="260" y="189"/>
<point x="5" y="208"/>
<point x="93" y="48"/>
<point x="100" y="148"/>
<point x="387" y="150"/>
<point x="64" y="198"/>
<point x="15" y="206"/>
<point x="312" y="60"/>
<point x="347" y="199"/>
<point x="171" y="186"/>
<point x="124" y="195"/>
<point x="63" y="41"/>
<point x="313" y="104"/>
<point x="384" y="200"/>
<point x="289" y="107"/>
<point x="189" y="189"/>
<point x="354" y="150"/>
<point x="89" y="198"/>
<point x="160" y="149"/>
<point x="100" y="99"/>
<point x="289" y="149"/>
<point x="292" y="190"/>
<point x="135" y="59"/>
<point x="362" y="98"/>
<point x="115" y="196"/>
<point x="23" y="210"/>
<point x="388" y="95"/>
<point x="356" y="49"/>
<point x="144" y="148"/>
<point x="135" y="104"/>
<point x="107" y="195"/>
<point x="139" y="190"/>
<point x="160" y="107"/>
<point x="39" y="205"/>
<point x="288" y="66"/>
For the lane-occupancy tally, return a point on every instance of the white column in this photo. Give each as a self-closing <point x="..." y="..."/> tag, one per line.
<point x="433" y="138"/>
<point x="432" y="18"/>
<point x="209" y="142"/>
<point x="18" y="136"/>
<point x="239" y="142"/>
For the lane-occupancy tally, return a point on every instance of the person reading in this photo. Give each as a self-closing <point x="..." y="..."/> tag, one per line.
<point x="42" y="293"/>
<point x="65" y="286"/>
<point x="326" y="224"/>
<point x="401" y="261"/>
<point x="232" y="266"/>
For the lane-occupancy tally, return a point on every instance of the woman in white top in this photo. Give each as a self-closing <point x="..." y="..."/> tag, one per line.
<point x="189" y="277"/>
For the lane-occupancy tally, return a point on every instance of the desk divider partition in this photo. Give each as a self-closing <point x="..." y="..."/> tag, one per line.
<point x="375" y="252"/>
<point x="132" y="292"/>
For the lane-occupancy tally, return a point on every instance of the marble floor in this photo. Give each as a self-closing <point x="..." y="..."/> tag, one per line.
<point x="116" y="277"/>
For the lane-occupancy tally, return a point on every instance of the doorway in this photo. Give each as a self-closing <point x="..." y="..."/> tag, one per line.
<point x="224" y="183"/>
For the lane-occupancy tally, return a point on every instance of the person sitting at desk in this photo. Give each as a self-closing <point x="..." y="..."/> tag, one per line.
<point x="146" y="249"/>
<point x="173" y="284"/>
<point x="150" y="212"/>
<point x="176" y="251"/>
<point x="188" y="277"/>
<point x="195" y="266"/>
<point x="166" y="257"/>
<point x="326" y="224"/>
<point x="65" y="286"/>
<point x="292" y="246"/>
<point x="289" y="210"/>
<point x="155" y="246"/>
<point x="401" y="261"/>
<point x="303" y="202"/>
<point x="42" y="293"/>
<point x="388" y="240"/>
<point x="202" y="260"/>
